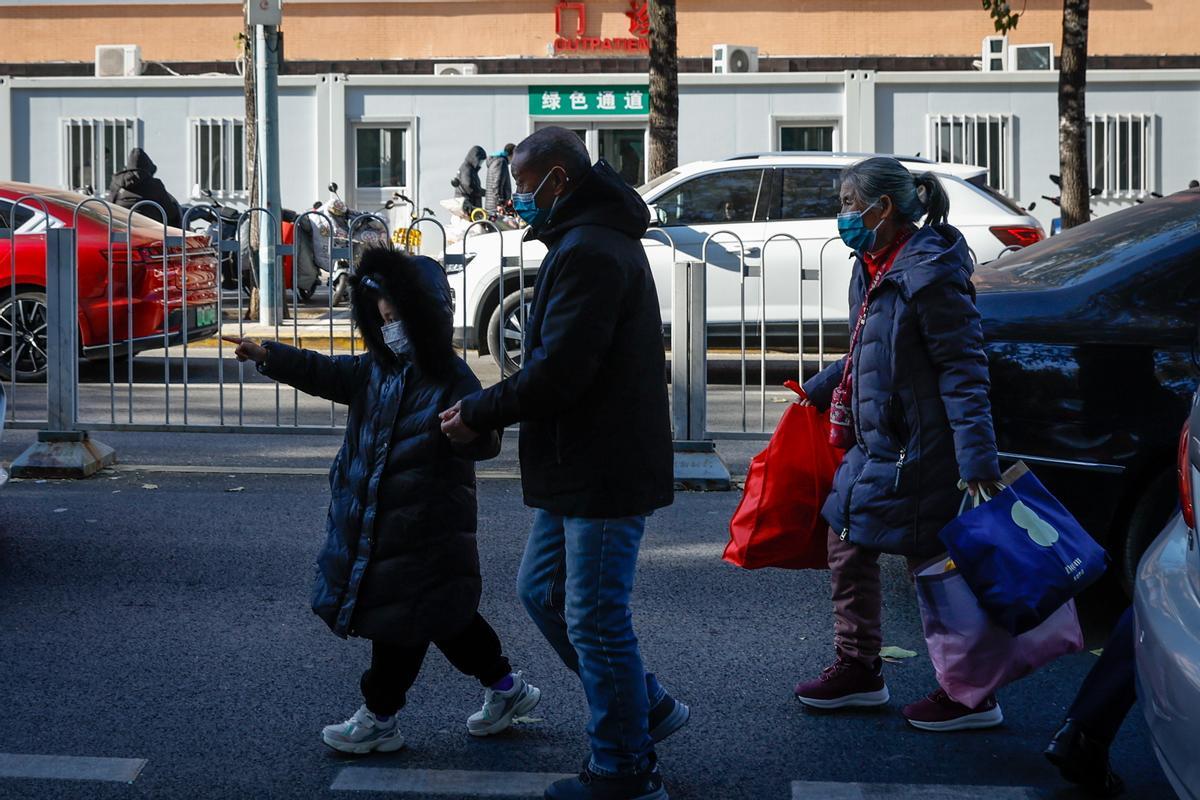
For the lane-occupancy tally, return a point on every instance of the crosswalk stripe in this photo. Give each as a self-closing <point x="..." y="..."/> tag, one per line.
<point x="70" y="768"/>
<point x="444" y="782"/>
<point x="816" y="790"/>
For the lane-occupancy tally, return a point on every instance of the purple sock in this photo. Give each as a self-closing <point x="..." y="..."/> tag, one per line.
<point x="504" y="684"/>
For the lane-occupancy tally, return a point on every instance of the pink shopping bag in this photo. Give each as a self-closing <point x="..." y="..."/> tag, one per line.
<point x="974" y="656"/>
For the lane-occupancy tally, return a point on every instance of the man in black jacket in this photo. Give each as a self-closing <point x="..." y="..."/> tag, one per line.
<point x="136" y="184"/>
<point x="596" y="454"/>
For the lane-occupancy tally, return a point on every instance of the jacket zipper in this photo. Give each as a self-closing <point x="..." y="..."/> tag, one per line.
<point x="858" y="433"/>
<point x="900" y="468"/>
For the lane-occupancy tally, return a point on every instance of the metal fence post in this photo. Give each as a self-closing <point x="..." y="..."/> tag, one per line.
<point x="697" y="463"/>
<point x="62" y="451"/>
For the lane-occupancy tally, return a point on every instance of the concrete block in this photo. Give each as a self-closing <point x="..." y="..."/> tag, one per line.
<point x="698" y="467"/>
<point x="63" y="454"/>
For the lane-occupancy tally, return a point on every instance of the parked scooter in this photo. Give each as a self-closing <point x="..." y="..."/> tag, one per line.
<point x="405" y="235"/>
<point x="332" y="228"/>
<point x="220" y="223"/>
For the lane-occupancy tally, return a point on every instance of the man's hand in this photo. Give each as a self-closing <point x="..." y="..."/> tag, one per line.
<point x="453" y="427"/>
<point x="247" y="350"/>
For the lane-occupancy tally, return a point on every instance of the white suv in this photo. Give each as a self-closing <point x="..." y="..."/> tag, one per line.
<point x="766" y="201"/>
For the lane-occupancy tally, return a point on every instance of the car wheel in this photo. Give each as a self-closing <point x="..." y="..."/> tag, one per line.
<point x="1149" y="517"/>
<point x="505" y="328"/>
<point x="25" y="316"/>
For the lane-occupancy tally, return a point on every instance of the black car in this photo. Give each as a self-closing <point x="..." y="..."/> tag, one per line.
<point x="1094" y="344"/>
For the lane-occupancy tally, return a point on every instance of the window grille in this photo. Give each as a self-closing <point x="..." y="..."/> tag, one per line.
<point x="984" y="140"/>
<point x="95" y="150"/>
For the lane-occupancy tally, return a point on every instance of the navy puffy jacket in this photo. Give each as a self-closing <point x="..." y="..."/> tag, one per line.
<point x="920" y="399"/>
<point x="400" y="562"/>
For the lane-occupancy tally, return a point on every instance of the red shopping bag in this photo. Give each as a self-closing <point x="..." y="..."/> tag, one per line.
<point x="778" y="522"/>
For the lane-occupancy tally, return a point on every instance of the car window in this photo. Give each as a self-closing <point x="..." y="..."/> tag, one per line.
<point x="809" y="193"/>
<point x="9" y="219"/>
<point x="647" y="188"/>
<point x="728" y="196"/>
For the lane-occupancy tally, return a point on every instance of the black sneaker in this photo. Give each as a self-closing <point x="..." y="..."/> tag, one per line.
<point x="667" y="716"/>
<point x="1083" y="761"/>
<point x="588" y="785"/>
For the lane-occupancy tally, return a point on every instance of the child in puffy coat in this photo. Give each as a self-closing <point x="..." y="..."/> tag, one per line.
<point x="400" y="565"/>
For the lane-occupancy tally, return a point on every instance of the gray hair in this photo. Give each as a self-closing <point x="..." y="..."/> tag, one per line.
<point x="913" y="197"/>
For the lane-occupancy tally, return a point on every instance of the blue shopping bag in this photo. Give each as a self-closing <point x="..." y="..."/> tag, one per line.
<point x="1022" y="553"/>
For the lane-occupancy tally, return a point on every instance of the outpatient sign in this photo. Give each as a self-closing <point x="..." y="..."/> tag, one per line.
<point x="590" y="101"/>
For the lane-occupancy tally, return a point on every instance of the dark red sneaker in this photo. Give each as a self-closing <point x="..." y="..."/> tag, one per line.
<point x="845" y="684"/>
<point x="938" y="712"/>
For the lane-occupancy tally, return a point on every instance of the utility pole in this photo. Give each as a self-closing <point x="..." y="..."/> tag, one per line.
<point x="266" y="16"/>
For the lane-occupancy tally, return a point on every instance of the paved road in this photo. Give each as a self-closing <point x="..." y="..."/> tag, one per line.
<point x="171" y="625"/>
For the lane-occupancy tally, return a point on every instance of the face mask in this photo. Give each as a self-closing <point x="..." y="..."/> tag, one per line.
<point x="854" y="232"/>
<point x="395" y="337"/>
<point x="525" y="204"/>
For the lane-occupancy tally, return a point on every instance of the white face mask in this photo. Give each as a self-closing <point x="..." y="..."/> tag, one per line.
<point x="395" y="337"/>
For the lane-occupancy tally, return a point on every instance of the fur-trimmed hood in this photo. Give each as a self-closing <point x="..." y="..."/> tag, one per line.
<point x="418" y="288"/>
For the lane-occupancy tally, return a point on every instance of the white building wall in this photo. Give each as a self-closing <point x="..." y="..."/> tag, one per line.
<point x="720" y="116"/>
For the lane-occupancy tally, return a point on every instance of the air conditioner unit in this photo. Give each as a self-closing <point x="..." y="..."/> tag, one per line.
<point x="118" y="60"/>
<point x="734" y="58"/>
<point x="455" y="69"/>
<point x="1027" y="57"/>
<point x="995" y="53"/>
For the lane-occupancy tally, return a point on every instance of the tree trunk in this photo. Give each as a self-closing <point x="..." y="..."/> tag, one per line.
<point x="1072" y="115"/>
<point x="250" y="129"/>
<point x="664" y="89"/>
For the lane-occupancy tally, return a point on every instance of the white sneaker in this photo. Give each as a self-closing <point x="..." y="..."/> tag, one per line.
<point x="499" y="708"/>
<point x="363" y="733"/>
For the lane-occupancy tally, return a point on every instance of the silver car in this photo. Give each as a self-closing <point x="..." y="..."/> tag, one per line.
<point x="1167" y="628"/>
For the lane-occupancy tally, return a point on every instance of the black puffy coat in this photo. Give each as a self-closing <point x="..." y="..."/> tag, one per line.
<point x="499" y="183"/>
<point x="136" y="183"/>
<point x="469" y="187"/>
<point x="591" y="395"/>
<point x="400" y="562"/>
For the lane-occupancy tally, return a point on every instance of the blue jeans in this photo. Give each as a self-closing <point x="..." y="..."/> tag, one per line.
<point x="575" y="581"/>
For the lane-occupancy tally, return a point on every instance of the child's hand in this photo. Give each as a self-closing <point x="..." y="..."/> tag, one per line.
<point x="247" y="350"/>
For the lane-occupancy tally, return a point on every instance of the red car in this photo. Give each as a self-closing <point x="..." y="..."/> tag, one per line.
<point x="23" y="308"/>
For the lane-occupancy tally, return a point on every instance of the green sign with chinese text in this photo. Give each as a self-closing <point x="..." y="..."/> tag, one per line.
<point x="589" y="101"/>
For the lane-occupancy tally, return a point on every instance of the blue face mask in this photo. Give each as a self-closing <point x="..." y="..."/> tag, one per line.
<point x="525" y="204"/>
<point x="854" y="232"/>
<point x="395" y="337"/>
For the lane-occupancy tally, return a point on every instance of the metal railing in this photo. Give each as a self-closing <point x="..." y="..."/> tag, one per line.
<point x="131" y="285"/>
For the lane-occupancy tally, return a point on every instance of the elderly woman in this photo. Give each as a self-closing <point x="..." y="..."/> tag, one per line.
<point x="911" y="398"/>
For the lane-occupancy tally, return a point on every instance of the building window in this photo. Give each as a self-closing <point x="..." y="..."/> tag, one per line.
<point x="983" y="140"/>
<point x="1120" y="153"/>
<point x="95" y="150"/>
<point x="219" y="157"/>
<point x="793" y="138"/>
<point x="381" y="157"/>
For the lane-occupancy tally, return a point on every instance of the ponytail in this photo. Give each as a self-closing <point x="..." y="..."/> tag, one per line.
<point x="933" y="198"/>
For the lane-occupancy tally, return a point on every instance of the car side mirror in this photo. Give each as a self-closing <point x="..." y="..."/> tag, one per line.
<point x="658" y="216"/>
<point x="333" y="187"/>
